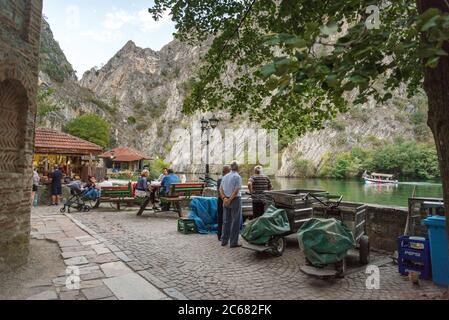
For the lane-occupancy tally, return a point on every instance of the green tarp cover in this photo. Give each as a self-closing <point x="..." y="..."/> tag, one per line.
<point x="274" y="222"/>
<point x="325" y="241"/>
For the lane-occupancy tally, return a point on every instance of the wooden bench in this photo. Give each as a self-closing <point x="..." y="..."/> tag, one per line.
<point x="117" y="196"/>
<point x="179" y="192"/>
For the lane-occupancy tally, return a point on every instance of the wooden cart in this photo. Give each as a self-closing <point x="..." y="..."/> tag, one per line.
<point x="298" y="206"/>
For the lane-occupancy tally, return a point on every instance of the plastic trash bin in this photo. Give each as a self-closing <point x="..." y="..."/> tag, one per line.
<point x="438" y="249"/>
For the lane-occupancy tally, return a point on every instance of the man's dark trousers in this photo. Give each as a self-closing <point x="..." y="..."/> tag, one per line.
<point x="232" y="216"/>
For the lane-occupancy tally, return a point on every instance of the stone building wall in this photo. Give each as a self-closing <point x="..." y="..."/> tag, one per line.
<point x="20" y="22"/>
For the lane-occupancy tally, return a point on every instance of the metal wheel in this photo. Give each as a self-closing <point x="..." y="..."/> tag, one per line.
<point x="364" y="256"/>
<point x="278" y="244"/>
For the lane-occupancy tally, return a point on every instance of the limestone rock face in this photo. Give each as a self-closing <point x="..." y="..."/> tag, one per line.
<point x="140" y="92"/>
<point x="52" y="59"/>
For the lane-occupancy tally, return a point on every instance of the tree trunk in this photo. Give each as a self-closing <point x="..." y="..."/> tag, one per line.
<point x="436" y="85"/>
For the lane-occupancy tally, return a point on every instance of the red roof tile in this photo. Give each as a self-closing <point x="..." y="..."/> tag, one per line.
<point x="124" y="155"/>
<point x="49" y="141"/>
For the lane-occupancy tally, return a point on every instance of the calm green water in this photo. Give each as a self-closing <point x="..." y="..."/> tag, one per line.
<point x="358" y="191"/>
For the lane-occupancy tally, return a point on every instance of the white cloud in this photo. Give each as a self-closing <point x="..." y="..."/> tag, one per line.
<point x="102" y="36"/>
<point x="147" y="23"/>
<point x="116" y="19"/>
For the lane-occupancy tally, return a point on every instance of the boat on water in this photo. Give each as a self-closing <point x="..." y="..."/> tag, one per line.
<point x="379" y="178"/>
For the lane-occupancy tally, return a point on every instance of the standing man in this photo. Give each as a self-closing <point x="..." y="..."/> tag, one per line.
<point x="56" y="186"/>
<point x="226" y="170"/>
<point x="257" y="185"/>
<point x="232" y="206"/>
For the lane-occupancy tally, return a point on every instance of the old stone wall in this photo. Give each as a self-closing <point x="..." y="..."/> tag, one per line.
<point x="20" y="22"/>
<point x="385" y="225"/>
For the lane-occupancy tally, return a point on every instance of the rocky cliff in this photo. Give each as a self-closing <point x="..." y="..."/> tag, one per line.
<point x="141" y="92"/>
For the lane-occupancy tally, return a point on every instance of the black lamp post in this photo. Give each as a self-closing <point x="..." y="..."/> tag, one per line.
<point x="207" y="126"/>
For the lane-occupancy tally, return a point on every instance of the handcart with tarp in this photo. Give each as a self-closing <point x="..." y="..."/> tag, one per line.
<point x="288" y="211"/>
<point x="335" y="228"/>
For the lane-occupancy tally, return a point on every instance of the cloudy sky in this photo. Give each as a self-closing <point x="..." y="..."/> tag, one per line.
<point x="90" y="32"/>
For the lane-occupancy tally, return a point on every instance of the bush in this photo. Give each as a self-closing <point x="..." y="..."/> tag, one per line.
<point x="405" y="159"/>
<point x="303" y="168"/>
<point x="45" y="103"/>
<point x="156" y="167"/>
<point x="103" y="105"/>
<point x="132" y="120"/>
<point x="90" y="127"/>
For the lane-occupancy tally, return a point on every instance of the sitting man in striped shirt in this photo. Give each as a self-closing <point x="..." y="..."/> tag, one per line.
<point x="257" y="185"/>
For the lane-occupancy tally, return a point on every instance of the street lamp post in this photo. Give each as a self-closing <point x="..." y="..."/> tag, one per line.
<point x="207" y="126"/>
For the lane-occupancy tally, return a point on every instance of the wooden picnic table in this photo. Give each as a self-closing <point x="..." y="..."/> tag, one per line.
<point x="179" y="192"/>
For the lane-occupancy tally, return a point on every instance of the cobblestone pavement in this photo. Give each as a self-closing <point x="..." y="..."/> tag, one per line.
<point x="197" y="267"/>
<point x="97" y="268"/>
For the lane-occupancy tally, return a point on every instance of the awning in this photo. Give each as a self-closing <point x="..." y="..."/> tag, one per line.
<point x="49" y="141"/>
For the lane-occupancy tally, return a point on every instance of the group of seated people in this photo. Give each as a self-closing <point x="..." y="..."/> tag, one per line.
<point x="145" y="188"/>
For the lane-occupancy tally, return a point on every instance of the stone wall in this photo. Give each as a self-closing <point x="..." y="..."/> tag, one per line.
<point x="385" y="225"/>
<point x="20" y="23"/>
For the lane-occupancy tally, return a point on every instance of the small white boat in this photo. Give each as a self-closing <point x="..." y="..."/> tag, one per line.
<point x="379" y="178"/>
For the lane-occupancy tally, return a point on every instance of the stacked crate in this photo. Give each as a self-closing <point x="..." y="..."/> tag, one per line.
<point x="187" y="226"/>
<point x="414" y="256"/>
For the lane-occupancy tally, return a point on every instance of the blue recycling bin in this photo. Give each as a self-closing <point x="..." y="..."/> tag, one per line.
<point x="438" y="249"/>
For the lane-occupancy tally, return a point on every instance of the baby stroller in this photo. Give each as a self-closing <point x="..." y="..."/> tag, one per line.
<point x="77" y="199"/>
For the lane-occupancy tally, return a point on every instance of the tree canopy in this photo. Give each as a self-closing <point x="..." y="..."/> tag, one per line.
<point x="90" y="127"/>
<point x="293" y="64"/>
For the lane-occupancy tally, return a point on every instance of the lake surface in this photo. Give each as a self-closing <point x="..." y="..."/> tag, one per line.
<point x="358" y="191"/>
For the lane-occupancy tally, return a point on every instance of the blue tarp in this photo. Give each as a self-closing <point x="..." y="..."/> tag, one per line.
<point x="204" y="212"/>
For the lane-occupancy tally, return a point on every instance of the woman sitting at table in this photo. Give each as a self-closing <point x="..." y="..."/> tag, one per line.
<point x="143" y="189"/>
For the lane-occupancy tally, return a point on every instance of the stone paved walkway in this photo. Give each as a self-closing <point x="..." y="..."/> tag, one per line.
<point x="197" y="267"/>
<point x="97" y="268"/>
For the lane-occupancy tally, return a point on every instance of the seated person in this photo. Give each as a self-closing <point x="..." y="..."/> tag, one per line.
<point x="76" y="185"/>
<point x="166" y="182"/>
<point x="91" y="190"/>
<point x="163" y="175"/>
<point x="143" y="189"/>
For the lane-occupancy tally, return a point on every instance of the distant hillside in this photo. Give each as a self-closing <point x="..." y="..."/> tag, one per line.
<point x="140" y="92"/>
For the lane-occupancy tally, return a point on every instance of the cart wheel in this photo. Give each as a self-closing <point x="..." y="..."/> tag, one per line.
<point x="278" y="244"/>
<point x="364" y="250"/>
<point x="62" y="210"/>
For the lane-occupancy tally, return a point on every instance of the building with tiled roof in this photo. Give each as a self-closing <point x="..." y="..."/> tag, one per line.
<point x="76" y="156"/>
<point x="124" y="159"/>
<point x="49" y="141"/>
